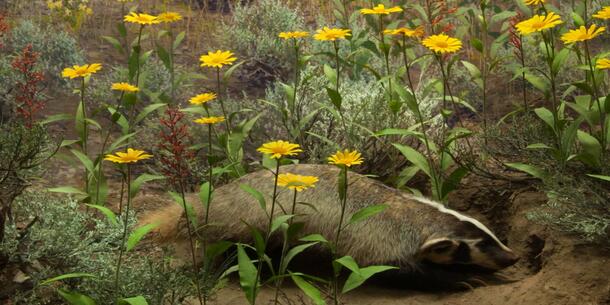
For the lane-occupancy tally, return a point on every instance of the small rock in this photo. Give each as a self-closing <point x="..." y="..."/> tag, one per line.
<point x="20" y="277"/>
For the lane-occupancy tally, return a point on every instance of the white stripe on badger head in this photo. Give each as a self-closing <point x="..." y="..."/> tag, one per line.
<point x="461" y="217"/>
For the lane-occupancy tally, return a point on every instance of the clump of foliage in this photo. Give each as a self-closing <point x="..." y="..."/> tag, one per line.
<point x="57" y="48"/>
<point x="252" y="32"/>
<point x="62" y="238"/>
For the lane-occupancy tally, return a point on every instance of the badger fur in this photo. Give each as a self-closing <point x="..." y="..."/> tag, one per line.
<point x="409" y="232"/>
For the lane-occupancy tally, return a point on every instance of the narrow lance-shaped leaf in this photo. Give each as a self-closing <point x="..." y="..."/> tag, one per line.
<point x="138" y="234"/>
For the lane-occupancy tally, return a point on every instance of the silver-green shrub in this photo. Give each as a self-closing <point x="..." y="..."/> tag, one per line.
<point x="57" y="48"/>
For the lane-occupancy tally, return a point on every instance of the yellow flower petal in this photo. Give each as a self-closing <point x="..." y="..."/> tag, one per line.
<point x="217" y="59"/>
<point x="582" y="34"/>
<point x="296" y="182"/>
<point x="278" y="149"/>
<point x="293" y="35"/>
<point x="346" y="157"/>
<point x="81" y="71"/>
<point x="604" y="13"/>
<point x="168" y="17"/>
<point x="142" y="19"/>
<point x="131" y="156"/>
<point x="202" y="98"/>
<point x="125" y="87"/>
<point x="538" y="23"/>
<point x="442" y="43"/>
<point x="380" y="10"/>
<point x="602" y="64"/>
<point x="328" y="34"/>
<point x="210" y="120"/>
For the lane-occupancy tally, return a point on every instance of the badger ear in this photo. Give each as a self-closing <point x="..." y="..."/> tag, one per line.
<point x="438" y="250"/>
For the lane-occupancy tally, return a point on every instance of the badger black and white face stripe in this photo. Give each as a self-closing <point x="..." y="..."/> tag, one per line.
<point x="441" y="208"/>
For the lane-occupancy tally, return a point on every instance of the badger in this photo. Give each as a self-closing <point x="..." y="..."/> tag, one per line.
<point x="411" y="231"/>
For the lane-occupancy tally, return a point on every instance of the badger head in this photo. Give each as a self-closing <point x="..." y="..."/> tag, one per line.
<point x="466" y="241"/>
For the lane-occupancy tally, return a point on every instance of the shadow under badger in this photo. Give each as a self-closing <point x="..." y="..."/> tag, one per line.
<point x="412" y="233"/>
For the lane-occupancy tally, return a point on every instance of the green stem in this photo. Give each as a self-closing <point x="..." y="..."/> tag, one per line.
<point x="268" y="233"/>
<point x="122" y="246"/>
<point x="336" y="271"/>
<point x="338" y="64"/>
<point x="192" y="244"/>
<point x="222" y="104"/>
<point x="85" y="135"/>
<point x="420" y="117"/>
<point x="602" y="112"/>
<point x="102" y="151"/>
<point x="281" y="270"/>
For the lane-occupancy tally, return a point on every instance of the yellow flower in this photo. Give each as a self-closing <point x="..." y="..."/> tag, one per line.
<point x="380" y="9"/>
<point x="604" y="13"/>
<point x="538" y="23"/>
<point x="217" y="59"/>
<point x="533" y="2"/>
<point x="125" y="87"/>
<point x="328" y="34"/>
<point x="296" y="182"/>
<point x="143" y="19"/>
<point x="602" y="64"/>
<point x="210" y="120"/>
<point x="442" y="43"/>
<point x="416" y="32"/>
<point x="278" y="149"/>
<point x="202" y="98"/>
<point x="169" y="17"/>
<point x="81" y="71"/>
<point x="53" y="5"/>
<point x="346" y="157"/>
<point x="131" y="156"/>
<point x="582" y="34"/>
<point x="296" y="34"/>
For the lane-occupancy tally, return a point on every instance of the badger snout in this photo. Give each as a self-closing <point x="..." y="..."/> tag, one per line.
<point x="507" y="259"/>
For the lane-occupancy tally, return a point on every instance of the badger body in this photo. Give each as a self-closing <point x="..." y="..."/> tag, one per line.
<point x="409" y="231"/>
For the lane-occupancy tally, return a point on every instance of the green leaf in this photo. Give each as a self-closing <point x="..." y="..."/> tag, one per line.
<point x="56" y="118"/>
<point x="538" y="82"/>
<point x="178" y="40"/>
<point x="311" y="291"/>
<point x="331" y="74"/>
<point x="530" y="169"/>
<point x="138" y="182"/>
<point x="138" y="234"/>
<point x="453" y="181"/>
<point x="538" y="146"/>
<point x="164" y="56"/>
<point x="314" y="237"/>
<point x="84" y="160"/>
<point x="560" y="59"/>
<point x="65" y="276"/>
<point x="278" y="221"/>
<point x="356" y="279"/>
<point x="189" y="211"/>
<point x="591" y="149"/>
<point x="366" y="213"/>
<point x="115" y="43"/>
<point x="335" y="98"/>
<point x="256" y="194"/>
<point x="247" y="274"/>
<point x="67" y="190"/>
<point x="139" y="300"/>
<point x="601" y="177"/>
<point x="146" y="111"/>
<point x="349" y="263"/>
<point x="204" y="190"/>
<point x="414" y="157"/>
<point x="230" y="71"/>
<point x="292" y="254"/>
<point x="107" y="212"/>
<point x="75" y="298"/>
<point x="546" y="116"/>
